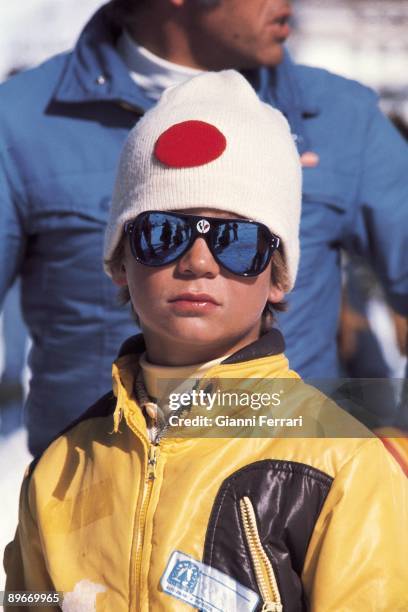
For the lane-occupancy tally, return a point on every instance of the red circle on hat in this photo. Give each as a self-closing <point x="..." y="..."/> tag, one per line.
<point x="190" y="143"/>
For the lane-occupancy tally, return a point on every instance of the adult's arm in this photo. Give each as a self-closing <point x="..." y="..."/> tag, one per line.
<point x="378" y="228"/>
<point x="12" y="224"/>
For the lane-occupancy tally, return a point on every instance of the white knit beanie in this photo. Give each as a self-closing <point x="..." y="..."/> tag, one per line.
<point x="211" y="143"/>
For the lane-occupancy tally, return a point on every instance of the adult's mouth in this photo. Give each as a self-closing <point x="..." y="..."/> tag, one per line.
<point x="280" y="24"/>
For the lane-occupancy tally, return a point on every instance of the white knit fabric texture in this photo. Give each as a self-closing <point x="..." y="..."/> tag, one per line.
<point x="258" y="175"/>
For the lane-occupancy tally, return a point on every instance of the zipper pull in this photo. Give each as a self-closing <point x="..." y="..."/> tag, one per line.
<point x="272" y="607"/>
<point x="152" y="462"/>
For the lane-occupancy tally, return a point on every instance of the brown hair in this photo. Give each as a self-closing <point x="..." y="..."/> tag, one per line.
<point x="123" y="12"/>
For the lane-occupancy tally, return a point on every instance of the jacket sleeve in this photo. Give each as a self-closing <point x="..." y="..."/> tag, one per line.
<point x="378" y="228"/>
<point x="23" y="557"/>
<point x="12" y="234"/>
<point x="356" y="558"/>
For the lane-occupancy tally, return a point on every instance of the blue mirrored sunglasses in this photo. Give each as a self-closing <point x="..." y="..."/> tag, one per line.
<point x="241" y="246"/>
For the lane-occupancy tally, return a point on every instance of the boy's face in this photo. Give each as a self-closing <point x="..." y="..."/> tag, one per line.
<point x="193" y="310"/>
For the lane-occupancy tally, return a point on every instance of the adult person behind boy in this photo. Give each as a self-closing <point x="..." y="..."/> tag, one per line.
<point x="61" y="129"/>
<point x="121" y="507"/>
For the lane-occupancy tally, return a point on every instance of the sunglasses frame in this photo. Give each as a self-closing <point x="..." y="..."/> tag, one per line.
<point x="193" y="220"/>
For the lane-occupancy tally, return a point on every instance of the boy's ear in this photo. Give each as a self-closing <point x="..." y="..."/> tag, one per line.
<point x="119" y="276"/>
<point x="276" y="294"/>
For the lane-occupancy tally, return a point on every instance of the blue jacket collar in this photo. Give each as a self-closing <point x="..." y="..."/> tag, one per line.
<point x="288" y="91"/>
<point x="281" y="88"/>
<point x="95" y="71"/>
<point x="291" y="100"/>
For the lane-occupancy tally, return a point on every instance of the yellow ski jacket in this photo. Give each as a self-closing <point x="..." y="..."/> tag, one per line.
<point x="286" y="523"/>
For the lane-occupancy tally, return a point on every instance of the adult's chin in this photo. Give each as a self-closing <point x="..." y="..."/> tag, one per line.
<point x="272" y="56"/>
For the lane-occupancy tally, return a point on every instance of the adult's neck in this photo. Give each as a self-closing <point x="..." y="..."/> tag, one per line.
<point x="164" y="36"/>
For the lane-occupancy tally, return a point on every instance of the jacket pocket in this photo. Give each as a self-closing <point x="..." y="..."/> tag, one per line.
<point x="262" y="566"/>
<point x="67" y="200"/>
<point x="325" y="207"/>
<point x="328" y="187"/>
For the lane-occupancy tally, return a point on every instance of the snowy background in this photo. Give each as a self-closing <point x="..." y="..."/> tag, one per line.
<point x="32" y="30"/>
<point x="362" y="39"/>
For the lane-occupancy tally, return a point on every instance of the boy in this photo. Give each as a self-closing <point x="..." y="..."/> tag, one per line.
<point x="119" y="513"/>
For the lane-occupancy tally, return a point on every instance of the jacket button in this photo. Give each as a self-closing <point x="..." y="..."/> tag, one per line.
<point x="101" y="80"/>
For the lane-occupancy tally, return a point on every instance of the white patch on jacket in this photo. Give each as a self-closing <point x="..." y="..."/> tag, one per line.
<point x="83" y="597"/>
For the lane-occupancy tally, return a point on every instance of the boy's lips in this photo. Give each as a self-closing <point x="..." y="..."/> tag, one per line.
<point x="192" y="303"/>
<point x="194" y="297"/>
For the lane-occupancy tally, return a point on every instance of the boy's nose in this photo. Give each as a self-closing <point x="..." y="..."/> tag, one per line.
<point x="198" y="261"/>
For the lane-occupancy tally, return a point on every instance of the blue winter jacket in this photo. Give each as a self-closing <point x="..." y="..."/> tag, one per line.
<point x="62" y="126"/>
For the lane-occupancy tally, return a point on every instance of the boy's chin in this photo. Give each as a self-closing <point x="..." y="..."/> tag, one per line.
<point x="201" y="331"/>
<point x="193" y="330"/>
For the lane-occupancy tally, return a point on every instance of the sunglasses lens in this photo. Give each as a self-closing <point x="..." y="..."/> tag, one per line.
<point x="158" y="238"/>
<point x="242" y="248"/>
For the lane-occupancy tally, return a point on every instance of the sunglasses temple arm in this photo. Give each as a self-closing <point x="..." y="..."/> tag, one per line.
<point x="128" y="227"/>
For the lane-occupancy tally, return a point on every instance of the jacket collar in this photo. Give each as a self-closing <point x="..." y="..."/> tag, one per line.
<point x="288" y="91"/>
<point x="94" y="70"/>
<point x="271" y="343"/>
<point x="292" y="100"/>
<point x="281" y="88"/>
<point x="124" y="368"/>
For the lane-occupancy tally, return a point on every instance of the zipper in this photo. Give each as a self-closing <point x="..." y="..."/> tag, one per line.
<point x="161" y="432"/>
<point x="150" y="476"/>
<point x="265" y="576"/>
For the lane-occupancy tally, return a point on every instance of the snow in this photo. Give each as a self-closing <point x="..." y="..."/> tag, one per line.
<point x="32" y="30"/>
<point x="14" y="459"/>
